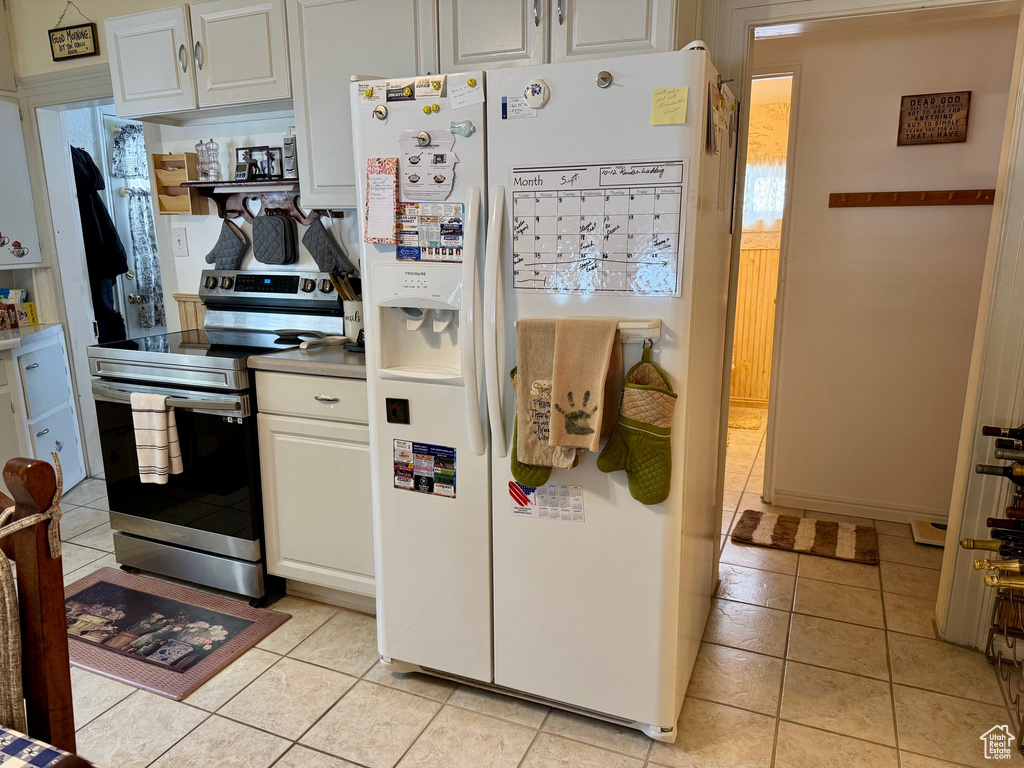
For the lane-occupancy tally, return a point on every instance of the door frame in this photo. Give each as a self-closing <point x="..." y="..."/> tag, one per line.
<point x="995" y="388"/>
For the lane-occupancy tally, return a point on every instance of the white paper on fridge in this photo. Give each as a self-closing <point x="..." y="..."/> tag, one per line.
<point x="462" y="94"/>
<point x="381" y="199"/>
<point x="548" y="502"/>
<point x="606" y="228"/>
<point x="427" y="170"/>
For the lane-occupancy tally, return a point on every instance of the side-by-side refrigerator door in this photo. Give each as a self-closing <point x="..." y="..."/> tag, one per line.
<point x="597" y="168"/>
<point x="420" y="169"/>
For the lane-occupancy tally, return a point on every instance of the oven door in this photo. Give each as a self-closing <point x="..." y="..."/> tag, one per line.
<point x="214" y="505"/>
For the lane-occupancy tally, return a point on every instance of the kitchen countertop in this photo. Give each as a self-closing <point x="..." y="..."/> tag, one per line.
<point x="19" y="336"/>
<point x="319" y="361"/>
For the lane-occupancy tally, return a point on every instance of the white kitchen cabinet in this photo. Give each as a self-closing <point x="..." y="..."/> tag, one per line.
<point x="7" y="79"/>
<point x="210" y="53"/>
<point x="37" y="405"/>
<point x="329" y="41"/>
<point x="151" y="65"/>
<point x="19" y="239"/>
<point x="584" y="29"/>
<point x="240" y="51"/>
<point x="315" y="466"/>
<point x="505" y="33"/>
<point x="493" y="33"/>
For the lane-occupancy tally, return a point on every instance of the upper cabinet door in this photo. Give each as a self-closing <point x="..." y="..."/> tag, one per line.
<point x="19" y="239"/>
<point x="151" y="62"/>
<point x="586" y="29"/>
<point x="329" y="41"/>
<point x="484" y="34"/>
<point x="240" y="51"/>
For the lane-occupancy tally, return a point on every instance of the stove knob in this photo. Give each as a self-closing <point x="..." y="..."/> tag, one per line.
<point x="226" y="282"/>
<point x="211" y="282"/>
<point x="308" y="285"/>
<point x="325" y="286"/>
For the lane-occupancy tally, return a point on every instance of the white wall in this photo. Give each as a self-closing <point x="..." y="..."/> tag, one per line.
<point x="879" y="305"/>
<point x="202" y="231"/>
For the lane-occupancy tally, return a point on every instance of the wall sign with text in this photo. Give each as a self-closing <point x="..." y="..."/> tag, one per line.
<point x="934" y="118"/>
<point x="73" y="42"/>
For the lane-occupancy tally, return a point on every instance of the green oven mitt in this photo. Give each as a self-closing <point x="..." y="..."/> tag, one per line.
<point x="641" y="443"/>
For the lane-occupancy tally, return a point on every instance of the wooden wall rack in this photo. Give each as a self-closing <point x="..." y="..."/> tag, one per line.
<point x="928" y="197"/>
<point x="232" y="199"/>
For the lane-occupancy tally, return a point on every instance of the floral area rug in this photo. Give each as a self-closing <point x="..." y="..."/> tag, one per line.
<point x="162" y="637"/>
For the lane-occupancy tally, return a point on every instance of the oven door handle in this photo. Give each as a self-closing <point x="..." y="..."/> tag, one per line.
<point x="117" y="396"/>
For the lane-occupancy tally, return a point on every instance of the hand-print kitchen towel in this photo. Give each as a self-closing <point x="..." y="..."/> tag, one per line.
<point x="583" y="354"/>
<point x="535" y="347"/>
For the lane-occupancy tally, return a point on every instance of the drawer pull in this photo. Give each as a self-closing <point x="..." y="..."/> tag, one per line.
<point x="44" y="432"/>
<point x="30" y="367"/>
<point x="325" y="399"/>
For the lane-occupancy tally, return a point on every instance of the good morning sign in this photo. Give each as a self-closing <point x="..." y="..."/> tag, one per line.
<point x="72" y="42"/>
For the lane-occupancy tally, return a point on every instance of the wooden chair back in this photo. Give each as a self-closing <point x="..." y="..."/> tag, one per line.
<point x="46" y="672"/>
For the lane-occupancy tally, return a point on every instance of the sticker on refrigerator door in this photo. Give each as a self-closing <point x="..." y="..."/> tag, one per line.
<point x="401" y="90"/>
<point x="429" y="87"/>
<point x="611" y="228"/>
<point x="516" y="108"/>
<point x="428" y="164"/>
<point x="425" y="468"/>
<point x="548" y="502"/>
<point x="465" y="91"/>
<point x="370" y="92"/>
<point x="430" y="231"/>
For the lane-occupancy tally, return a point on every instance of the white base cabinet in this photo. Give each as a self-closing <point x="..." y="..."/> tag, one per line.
<point x="37" y="404"/>
<point x="315" y="464"/>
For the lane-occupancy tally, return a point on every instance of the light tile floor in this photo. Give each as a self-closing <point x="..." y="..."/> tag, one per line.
<point x="805" y="662"/>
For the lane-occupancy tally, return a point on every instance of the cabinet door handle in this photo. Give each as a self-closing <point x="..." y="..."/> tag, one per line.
<point x="561" y="12"/>
<point x="536" y="13"/>
<point x="198" y="55"/>
<point x="325" y="399"/>
<point x="30" y="367"/>
<point x="44" y="432"/>
<point x="182" y="58"/>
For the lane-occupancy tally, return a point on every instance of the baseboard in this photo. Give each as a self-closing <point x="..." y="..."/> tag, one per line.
<point x="855" y="508"/>
<point x="747" y="402"/>
<point x="350" y="600"/>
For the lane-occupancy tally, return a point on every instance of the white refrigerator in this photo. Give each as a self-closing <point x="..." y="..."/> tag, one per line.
<point x="597" y="188"/>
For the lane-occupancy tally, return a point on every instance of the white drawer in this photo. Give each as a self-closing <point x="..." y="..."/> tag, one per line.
<point x="45" y="379"/>
<point x="59" y="432"/>
<point x="316" y="397"/>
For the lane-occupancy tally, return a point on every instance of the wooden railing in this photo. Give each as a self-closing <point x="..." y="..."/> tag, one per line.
<point x="46" y="672"/>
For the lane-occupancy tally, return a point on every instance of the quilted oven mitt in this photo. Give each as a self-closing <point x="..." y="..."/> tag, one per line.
<point x="528" y="475"/>
<point x="230" y="247"/>
<point x="327" y="254"/>
<point x="640" y="443"/>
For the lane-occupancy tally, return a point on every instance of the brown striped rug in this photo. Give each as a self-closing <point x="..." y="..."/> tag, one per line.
<point x="843" y="541"/>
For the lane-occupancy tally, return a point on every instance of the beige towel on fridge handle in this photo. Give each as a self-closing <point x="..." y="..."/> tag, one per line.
<point x="156" y="438"/>
<point x="535" y="346"/>
<point x="582" y="359"/>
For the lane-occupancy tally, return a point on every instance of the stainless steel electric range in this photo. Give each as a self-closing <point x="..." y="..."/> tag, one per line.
<point x="206" y="524"/>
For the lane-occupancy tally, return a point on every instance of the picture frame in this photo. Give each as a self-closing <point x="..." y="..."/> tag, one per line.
<point x="261" y="163"/>
<point x="74" y="42"/>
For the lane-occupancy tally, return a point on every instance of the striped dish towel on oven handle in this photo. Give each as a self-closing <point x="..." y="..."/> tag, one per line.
<point x="156" y="437"/>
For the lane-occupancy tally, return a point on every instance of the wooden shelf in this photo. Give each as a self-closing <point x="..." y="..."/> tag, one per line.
<point x="252" y="183"/>
<point x="172" y="174"/>
<point x="231" y="198"/>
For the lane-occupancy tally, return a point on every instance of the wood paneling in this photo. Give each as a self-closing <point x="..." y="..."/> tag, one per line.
<point x="190" y="310"/>
<point x="755" y="327"/>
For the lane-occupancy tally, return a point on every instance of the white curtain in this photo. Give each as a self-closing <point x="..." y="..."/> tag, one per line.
<point x="147" y="262"/>
<point x="764" y="194"/>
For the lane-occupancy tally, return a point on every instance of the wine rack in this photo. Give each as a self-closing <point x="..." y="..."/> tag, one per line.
<point x="1001" y="650"/>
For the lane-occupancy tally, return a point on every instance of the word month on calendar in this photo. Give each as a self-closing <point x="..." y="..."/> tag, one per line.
<point x="603" y="229"/>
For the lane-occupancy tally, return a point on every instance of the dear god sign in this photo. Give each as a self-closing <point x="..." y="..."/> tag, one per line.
<point x="934" y="118"/>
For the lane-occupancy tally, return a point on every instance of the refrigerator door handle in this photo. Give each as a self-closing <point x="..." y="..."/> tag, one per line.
<point x="492" y="290"/>
<point x="468" y="324"/>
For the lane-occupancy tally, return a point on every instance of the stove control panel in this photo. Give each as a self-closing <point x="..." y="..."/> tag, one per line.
<point x="269" y="288"/>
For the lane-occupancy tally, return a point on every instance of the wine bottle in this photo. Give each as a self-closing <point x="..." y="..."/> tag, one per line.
<point x="1007" y="566"/>
<point x="1015" y="513"/>
<point x="1005" y="524"/>
<point x="1008" y="535"/>
<point x="1012" y="472"/>
<point x="1011" y="432"/>
<point x="1003" y="548"/>
<point x="1014" y="445"/>
<point x="1004" y="582"/>
<point x="1009" y="454"/>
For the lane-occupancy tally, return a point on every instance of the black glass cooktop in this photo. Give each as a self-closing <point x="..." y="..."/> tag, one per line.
<point x="227" y="344"/>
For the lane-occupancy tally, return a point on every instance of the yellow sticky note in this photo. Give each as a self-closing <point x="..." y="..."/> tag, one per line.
<point x="668" y="105"/>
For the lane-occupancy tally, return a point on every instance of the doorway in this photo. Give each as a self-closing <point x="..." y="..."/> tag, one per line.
<point x="771" y="98"/>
